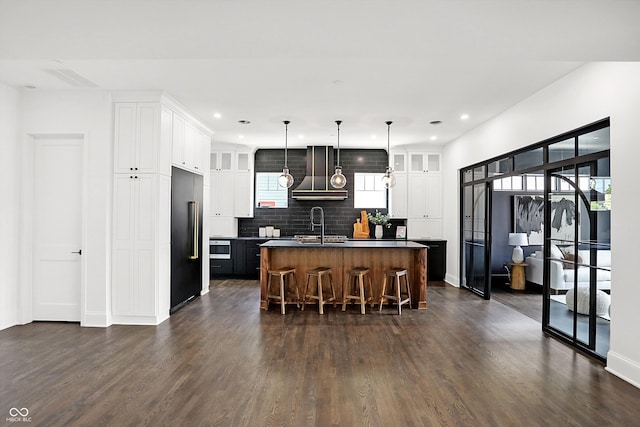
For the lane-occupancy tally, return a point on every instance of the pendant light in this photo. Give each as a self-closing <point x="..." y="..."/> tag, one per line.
<point x="285" y="179"/>
<point x="338" y="180"/>
<point x="389" y="179"/>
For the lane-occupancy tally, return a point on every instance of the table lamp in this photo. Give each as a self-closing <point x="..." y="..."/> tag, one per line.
<point x="518" y="240"/>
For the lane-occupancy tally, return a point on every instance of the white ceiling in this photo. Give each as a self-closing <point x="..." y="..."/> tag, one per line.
<point x="313" y="61"/>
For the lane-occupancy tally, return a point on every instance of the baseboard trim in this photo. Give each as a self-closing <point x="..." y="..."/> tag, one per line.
<point x="140" y="320"/>
<point x="95" y="319"/>
<point x="9" y="319"/>
<point x="623" y="368"/>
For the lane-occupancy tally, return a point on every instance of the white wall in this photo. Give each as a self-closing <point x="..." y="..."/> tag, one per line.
<point x="9" y="200"/>
<point x="84" y="112"/>
<point x="592" y="92"/>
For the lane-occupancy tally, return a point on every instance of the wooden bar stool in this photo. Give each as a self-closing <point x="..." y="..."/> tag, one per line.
<point x="319" y="273"/>
<point x="281" y="294"/>
<point x="354" y="288"/>
<point x="394" y="275"/>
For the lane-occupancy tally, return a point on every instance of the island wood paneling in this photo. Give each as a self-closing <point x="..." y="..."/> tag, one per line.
<point x="341" y="260"/>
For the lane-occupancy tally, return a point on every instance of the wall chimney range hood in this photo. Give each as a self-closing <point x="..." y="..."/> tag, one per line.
<point x="315" y="185"/>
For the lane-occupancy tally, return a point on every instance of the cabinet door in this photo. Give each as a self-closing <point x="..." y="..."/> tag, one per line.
<point x="398" y="194"/>
<point x="123" y="245"/>
<point x="243" y="162"/>
<point x="177" y="149"/>
<point x="190" y="145"/>
<point x="253" y="258"/>
<point x="148" y="137"/>
<point x="223" y="226"/>
<point x="243" y="195"/>
<point x="166" y="135"/>
<point x="134" y="245"/>
<point x="417" y="162"/>
<point x="125" y="137"/>
<point x="417" y="203"/>
<point x="418" y="228"/>
<point x="145" y="194"/>
<point x="434" y="196"/>
<point x="221" y="194"/>
<point x="399" y="162"/>
<point x="226" y="162"/>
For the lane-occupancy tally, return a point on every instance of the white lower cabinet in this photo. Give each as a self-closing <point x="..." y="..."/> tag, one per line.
<point x="223" y="226"/>
<point x="142" y="206"/>
<point x="419" y="228"/>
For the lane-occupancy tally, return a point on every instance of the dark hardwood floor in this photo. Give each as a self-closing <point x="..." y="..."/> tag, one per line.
<point x="220" y="361"/>
<point x="527" y="302"/>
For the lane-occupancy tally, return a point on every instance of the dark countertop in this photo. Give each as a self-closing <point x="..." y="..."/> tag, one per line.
<point x="350" y="244"/>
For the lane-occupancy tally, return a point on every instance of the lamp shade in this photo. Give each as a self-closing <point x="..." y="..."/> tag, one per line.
<point x="518" y="239"/>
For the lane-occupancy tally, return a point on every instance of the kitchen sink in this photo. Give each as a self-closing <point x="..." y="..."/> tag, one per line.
<point x="314" y="239"/>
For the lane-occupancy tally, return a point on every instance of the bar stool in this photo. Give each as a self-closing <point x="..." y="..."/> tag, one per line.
<point x="394" y="275"/>
<point x="281" y="295"/>
<point x="354" y="288"/>
<point x="318" y="274"/>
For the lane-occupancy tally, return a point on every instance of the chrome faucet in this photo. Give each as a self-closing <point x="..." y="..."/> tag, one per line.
<point x="321" y="224"/>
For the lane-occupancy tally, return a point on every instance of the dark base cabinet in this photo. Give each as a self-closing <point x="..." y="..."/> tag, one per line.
<point x="244" y="262"/>
<point x="220" y="268"/>
<point x="436" y="259"/>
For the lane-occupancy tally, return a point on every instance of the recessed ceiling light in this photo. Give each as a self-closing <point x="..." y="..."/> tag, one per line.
<point x="373" y="136"/>
<point x="337" y="82"/>
<point x="300" y="136"/>
<point x="244" y="122"/>
<point x="217" y="115"/>
<point x="433" y="137"/>
<point x="464" y="117"/>
<point x="435" y="122"/>
<point x="240" y="136"/>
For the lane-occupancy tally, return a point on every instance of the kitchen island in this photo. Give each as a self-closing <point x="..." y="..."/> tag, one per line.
<point x="377" y="255"/>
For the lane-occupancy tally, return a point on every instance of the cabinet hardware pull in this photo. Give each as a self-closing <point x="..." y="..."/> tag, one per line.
<point x="79" y="252"/>
<point x="194" y="207"/>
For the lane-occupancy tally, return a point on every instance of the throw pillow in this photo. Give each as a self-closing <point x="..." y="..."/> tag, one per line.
<point x="570" y="259"/>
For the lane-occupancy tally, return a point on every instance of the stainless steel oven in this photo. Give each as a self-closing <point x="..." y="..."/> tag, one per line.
<point x="220" y="249"/>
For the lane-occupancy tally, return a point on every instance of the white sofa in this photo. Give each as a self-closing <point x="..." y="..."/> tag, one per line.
<point x="562" y="278"/>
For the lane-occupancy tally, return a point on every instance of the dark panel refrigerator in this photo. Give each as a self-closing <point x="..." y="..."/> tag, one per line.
<point x="186" y="237"/>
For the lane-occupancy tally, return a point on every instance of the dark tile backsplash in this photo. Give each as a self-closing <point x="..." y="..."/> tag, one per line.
<point x="339" y="214"/>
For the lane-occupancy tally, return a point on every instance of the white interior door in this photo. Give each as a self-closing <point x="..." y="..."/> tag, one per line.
<point x="57" y="229"/>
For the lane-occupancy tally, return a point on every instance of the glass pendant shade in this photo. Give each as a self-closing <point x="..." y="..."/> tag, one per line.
<point x="338" y="180"/>
<point x="285" y="179"/>
<point x="388" y="179"/>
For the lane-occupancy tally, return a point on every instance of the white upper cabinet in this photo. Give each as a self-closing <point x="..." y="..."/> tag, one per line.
<point x="222" y="161"/>
<point x="399" y="162"/>
<point x="178" y="149"/>
<point x="424" y="162"/>
<point x="243" y="162"/>
<point x="189" y="144"/>
<point x="137" y="137"/>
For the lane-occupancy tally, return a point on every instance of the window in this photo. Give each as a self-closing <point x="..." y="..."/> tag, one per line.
<point x="369" y="191"/>
<point x="268" y="192"/>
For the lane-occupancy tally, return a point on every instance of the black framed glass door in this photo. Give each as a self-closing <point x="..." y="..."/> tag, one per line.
<point x="476" y="239"/>
<point x="577" y="255"/>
